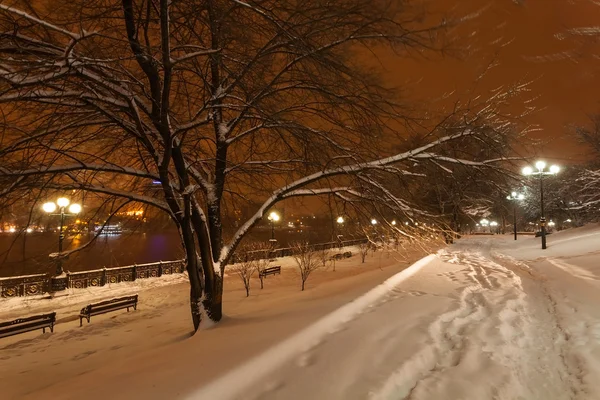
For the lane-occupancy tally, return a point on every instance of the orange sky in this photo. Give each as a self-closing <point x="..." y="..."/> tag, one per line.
<point x="566" y="83"/>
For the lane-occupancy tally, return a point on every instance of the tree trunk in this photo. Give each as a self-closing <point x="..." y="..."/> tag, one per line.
<point x="303" y="285"/>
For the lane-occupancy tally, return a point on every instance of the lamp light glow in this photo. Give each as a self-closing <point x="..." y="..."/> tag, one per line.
<point x="527" y="171"/>
<point x="62" y="202"/>
<point x="49" y="207"/>
<point x="540" y="165"/>
<point x="340" y="220"/>
<point x="74" y="208"/>
<point x="555" y="169"/>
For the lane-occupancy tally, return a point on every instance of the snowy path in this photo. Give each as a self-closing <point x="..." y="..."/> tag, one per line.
<point x="472" y="324"/>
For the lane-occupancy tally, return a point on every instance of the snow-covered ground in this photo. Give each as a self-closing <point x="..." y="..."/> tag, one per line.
<point x="149" y="353"/>
<point x="485" y="318"/>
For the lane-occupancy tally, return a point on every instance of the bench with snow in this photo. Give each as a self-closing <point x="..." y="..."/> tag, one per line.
<point x="22" y="325"/>
<point x="270" y="271"/>
<point x="339" y="256"/>
<point x="107" y="306"/>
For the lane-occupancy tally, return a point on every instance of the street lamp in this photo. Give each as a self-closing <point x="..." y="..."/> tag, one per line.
<point x="514" y="196"/>
<point x="340" y="223"/>
<point x="541" y="171"/>
<point x="61" y="204"/>
<point x="273" y="217"/>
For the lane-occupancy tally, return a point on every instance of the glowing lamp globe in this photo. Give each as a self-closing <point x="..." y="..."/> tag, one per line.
<point x="554" y="169"/>
<point x="540" y="165"/>
<point x="75" y="208"/>
<point x="49" y="207"/>
<point x="527" y="171"/>
<point x="62" y="202"/>
<point x="274" y="216"/>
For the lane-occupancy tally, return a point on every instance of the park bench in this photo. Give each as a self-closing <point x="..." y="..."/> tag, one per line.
<point x="270" y="271"/>
<point x="22" y="325"/>
<point x="107" y="306"/>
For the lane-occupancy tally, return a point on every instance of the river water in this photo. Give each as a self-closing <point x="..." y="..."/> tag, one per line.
<point x="29" y="254"/>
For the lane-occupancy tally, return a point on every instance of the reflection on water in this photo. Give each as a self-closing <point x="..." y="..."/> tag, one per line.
<point x="28" y="254"/>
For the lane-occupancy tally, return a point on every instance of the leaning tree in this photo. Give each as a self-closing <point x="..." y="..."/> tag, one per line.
<point x="198" y="108"/>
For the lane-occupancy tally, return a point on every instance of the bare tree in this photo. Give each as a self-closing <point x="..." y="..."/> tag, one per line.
<point x="245" y="270"/>
<point x="306" y="259"/>
<point x="324" y="257"/>
<point x="364" y="248"/>
<point x="262" y="257"/>
<point x="213" y="100"/>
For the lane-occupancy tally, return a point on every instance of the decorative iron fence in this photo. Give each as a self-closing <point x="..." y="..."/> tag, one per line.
<point x="37" y="284"/>
<point x="30" y="285"/>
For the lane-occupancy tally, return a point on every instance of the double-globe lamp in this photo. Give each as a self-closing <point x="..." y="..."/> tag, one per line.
<point x="540" y="170"/>
<point x="61" y="204"/>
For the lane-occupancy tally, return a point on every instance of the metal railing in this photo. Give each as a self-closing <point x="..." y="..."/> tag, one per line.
<point x="30" y="285"/>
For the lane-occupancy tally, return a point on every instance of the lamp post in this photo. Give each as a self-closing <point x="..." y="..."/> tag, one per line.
<point x="541" y="171"/>
<point x="514" y="196"/>
<point x="340" y="223"/>
<point x="61" y="204"/>
<point x="273" y="217"/>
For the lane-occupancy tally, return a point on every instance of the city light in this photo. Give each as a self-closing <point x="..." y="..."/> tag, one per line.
<point x="394" y="222"/>
<point x="75" y="208"/>
<point x="340" y="220"/>
<point x="373" y="221"/>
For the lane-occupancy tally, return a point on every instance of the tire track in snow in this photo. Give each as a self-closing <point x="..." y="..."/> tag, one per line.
<point x="491" y="338"/>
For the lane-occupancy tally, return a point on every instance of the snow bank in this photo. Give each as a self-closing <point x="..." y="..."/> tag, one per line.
<point x="73" y="296"/>
<point x="232" y="384"/>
